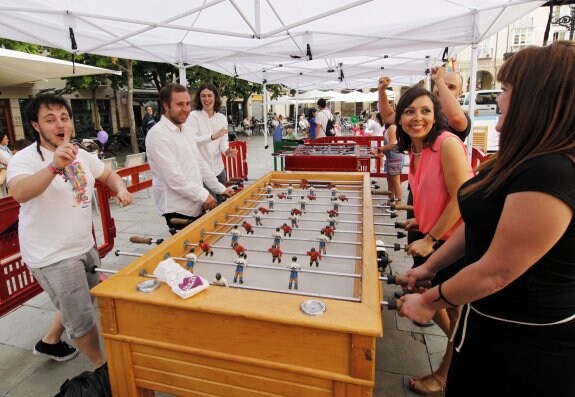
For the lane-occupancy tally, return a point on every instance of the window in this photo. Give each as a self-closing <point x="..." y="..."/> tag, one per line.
<point x="556" y="12"/>
<point x="560" y="35"/>
<point x="522" y="37"/>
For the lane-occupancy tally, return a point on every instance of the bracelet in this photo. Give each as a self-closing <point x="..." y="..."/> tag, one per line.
<point x="211" y="137"/>
<point x="56" y="171"/>
<point x="442" y="297"/>
<point x="435" y="241"/>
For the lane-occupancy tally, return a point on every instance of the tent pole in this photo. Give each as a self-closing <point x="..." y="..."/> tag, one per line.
<point x="181" y="66"/>
<point x="472" y="84"/>
<point x="295" y="122"/>
<point x="183" y="80"/>
<point x="265" y="115"/>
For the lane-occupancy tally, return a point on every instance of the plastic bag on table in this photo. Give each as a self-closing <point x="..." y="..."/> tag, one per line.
<point x="183" y="282"/>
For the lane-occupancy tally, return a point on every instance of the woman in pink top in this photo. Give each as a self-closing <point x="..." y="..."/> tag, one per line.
<point x="438" y="167"/>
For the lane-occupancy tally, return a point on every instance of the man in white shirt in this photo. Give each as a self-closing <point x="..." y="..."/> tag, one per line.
<point x="53" y="181"/>
<point x="321" y="118"/>
<point x="178" y="171"/>
<point x="210" y="129"/>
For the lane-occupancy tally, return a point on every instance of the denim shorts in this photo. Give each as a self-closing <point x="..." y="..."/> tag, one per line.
<point x="68" y="284"/>
<point x="393" y="167"/>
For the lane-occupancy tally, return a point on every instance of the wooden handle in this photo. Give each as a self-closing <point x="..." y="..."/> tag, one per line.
<point x="394" y="304"/>
<point x="179" y="221"/>
<point x="402" y="280"/>
<point x="382" y="192"/>
<point x="402" y="207"/>
<point x="141" y="240"/>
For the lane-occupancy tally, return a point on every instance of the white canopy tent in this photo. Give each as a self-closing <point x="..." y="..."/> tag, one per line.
<point x="305" y="45"/>
<point x="19" y="67"/>
<point x="286" y="38"/>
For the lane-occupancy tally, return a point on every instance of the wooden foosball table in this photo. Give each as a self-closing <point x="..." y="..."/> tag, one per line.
<point x="258" y="338"/>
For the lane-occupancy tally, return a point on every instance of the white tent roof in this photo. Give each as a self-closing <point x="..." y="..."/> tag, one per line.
<point x="298" y="43"/>
<point x="20" y="67"/>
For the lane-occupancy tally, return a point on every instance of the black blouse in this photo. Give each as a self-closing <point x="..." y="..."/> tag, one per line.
<point x="546" y="291"/>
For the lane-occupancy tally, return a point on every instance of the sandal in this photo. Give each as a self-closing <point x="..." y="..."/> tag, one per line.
<point x="427" y="385"/>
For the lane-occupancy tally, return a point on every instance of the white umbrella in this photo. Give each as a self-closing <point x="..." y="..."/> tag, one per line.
<point x="19" y="67"/>
<point x="313" y="94"/>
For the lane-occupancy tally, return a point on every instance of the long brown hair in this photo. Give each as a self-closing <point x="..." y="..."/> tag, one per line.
<point x="207" y="85"/>
<point x="540" y="118"/>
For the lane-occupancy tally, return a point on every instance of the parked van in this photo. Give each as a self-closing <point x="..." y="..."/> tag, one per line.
<point x="485" y="100"/>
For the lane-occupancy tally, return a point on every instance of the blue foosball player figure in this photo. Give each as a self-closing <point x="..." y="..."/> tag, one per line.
<point x="294" y="267"/>
<point x="235" y="235"/>
<point x="241" y="264"/>
<point x="191" y="259"/>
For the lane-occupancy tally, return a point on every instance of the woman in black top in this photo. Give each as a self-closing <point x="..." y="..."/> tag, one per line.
<point x="516" y="335"/>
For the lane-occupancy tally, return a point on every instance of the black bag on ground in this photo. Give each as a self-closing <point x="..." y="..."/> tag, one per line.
<point x="87" y="384"/>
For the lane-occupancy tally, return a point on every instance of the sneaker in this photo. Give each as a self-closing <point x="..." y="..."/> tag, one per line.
<point x="60" y="351"/>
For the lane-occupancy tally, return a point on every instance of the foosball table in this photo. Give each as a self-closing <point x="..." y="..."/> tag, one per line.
<point x="278" y="329"/>
<point x="334" y="157"/>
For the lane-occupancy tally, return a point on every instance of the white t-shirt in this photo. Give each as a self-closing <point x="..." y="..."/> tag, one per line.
<point x="373" y="128"/>
<point x="202" y="127"/>
<point x="57" y="224"/>
<point x="321" y="118"/>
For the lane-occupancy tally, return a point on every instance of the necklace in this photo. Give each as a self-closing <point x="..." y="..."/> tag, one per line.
<point x="416" y="154"/>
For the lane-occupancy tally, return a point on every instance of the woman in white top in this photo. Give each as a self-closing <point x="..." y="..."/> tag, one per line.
<point x="373" y="126"/>
<point x="210" y="129"/>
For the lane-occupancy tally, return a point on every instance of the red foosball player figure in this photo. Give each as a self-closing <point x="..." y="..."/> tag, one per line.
<point x="263" y="210"/>
<point x="328" y="231"/>
<point x="332" y="212"/>
<point x="281" y="195"/>
<point x="276" y="253"/>
<point x="249" y="229"/>
<point x="342" y="197"/>
<point x="206" y="248"/>
<point x="296" y="211"/>
<point x="303" y="184"/>
<point x="314" y="256"/>
<point x="240" y="250"/>
<point x="311" y="197"/>
<point x="287" y="229"/>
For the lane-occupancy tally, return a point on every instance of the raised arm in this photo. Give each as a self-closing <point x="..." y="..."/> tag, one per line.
<point x="449" y="103"/>
<point x="27" y="187"/>
<point x="385" y="109"/>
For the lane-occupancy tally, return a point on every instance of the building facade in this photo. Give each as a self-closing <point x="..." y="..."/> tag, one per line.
<point x="529" y="30"/>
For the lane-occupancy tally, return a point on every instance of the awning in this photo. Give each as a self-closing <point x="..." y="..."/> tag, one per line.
<point x="20" y="67"/>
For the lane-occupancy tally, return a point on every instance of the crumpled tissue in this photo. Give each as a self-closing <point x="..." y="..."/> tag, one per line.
<point x="183" y="282"/>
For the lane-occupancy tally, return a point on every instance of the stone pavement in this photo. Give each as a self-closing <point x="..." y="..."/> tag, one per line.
<point x="405" y="349"/>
